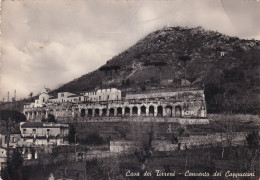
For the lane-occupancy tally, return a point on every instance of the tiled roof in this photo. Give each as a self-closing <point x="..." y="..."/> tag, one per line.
<point x="74" y="95"/>
<point x="32" y="124"/>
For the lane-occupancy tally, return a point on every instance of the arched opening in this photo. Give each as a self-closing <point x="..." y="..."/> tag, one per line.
<point x="135" y="111"/>
<point x="82" y="113"/>
<point x="143" y="110"/>
<point x="151" y="111"/>
<point x="104" y="112"/>
<point x="57" y="112"/>
<point x="168" y="110"/>
<point x="119" y="111"/>
<point x="177" y="111"/>
<point x="159" y="111"/>
<point x="96" y="112"/>
<point x="127" y="111"/>
<point x="111" y="112"/>
<point x="90" y="112"/>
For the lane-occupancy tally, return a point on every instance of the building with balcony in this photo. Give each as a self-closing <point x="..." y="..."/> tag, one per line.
<point x="40" y="133"/>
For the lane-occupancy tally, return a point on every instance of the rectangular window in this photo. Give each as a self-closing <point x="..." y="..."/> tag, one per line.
<point x="6" y="137"/>
<point x="48" y="131"/>
<point x="34" y="131"/>
<point x="107" y="97"/>
<point x="24" y="131"/>
<point x="99" y="97"/>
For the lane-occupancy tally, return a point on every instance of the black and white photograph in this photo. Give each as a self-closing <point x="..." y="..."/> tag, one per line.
<point x="130" y="89"/>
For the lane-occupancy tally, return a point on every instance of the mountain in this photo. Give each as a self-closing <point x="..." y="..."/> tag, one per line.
<point x="226" y="67"/>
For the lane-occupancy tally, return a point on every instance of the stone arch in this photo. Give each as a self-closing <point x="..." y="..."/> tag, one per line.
<point x="143" y="110"/>
<point x="63" y="111"/>
<point x="127" y="111"/>
<point x="82" y="113"/>
<point x="90" y="112"/>
<point x="119" y="111"/>
<point x="151" y="111"/>
<point x="70" y="110"/>
<point x="178" y="111"/>
<point x="111" y="112"/>
<point x="159" y="111"/>
<point x="104" y="112"/>
<point x="135" y="111"/>
<point x="168" y="110"/>
<point x="97" y="112"/>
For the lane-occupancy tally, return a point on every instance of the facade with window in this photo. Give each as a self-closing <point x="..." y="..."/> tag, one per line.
<point x="39" y="133"/>
<point x="111" y="94"/>
<point x="189" y="103"/>
<point x="13" y="140"/>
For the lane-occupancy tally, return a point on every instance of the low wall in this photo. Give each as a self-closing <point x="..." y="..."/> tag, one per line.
<point x="238" y="138"/>
<point x="184" y="121"/>
<point x="123" y="146"/>
<point x="164" y="145"/>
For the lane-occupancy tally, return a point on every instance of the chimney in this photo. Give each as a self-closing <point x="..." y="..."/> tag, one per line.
<point x="15" y="95"/>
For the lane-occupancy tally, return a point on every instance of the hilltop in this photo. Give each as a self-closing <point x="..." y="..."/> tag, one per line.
<point x="226" y="67"/>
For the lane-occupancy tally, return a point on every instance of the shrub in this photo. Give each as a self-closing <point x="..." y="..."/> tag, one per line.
<point x="94" y="138"/>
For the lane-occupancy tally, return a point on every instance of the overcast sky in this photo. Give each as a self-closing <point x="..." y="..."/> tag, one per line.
<point x="48" y="43"/>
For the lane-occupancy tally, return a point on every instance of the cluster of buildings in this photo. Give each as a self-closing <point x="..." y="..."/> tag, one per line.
<point x="38" y="132"/>
<point x="111" y="102"/>
<point x="31" y="136"/>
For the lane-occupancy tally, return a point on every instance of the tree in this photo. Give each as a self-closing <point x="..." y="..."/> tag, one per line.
<point x="160" y="65"/>
<point x="127" y="82"/>
<point x="253" y="145"/>
<point x="13" y="170"/>
<point x="230" y="127"/>
<point x="184" y="59"/>
<point x="72" y="134"/>
<point x="109" y="69"/>
<point x="143" y="145"/>
<point x="252" y="140"/>
<point x="31" y="96"/>
<point x="51" y="118"/>
<point x="9" y="122"/>
<point x="248" y="154"/>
